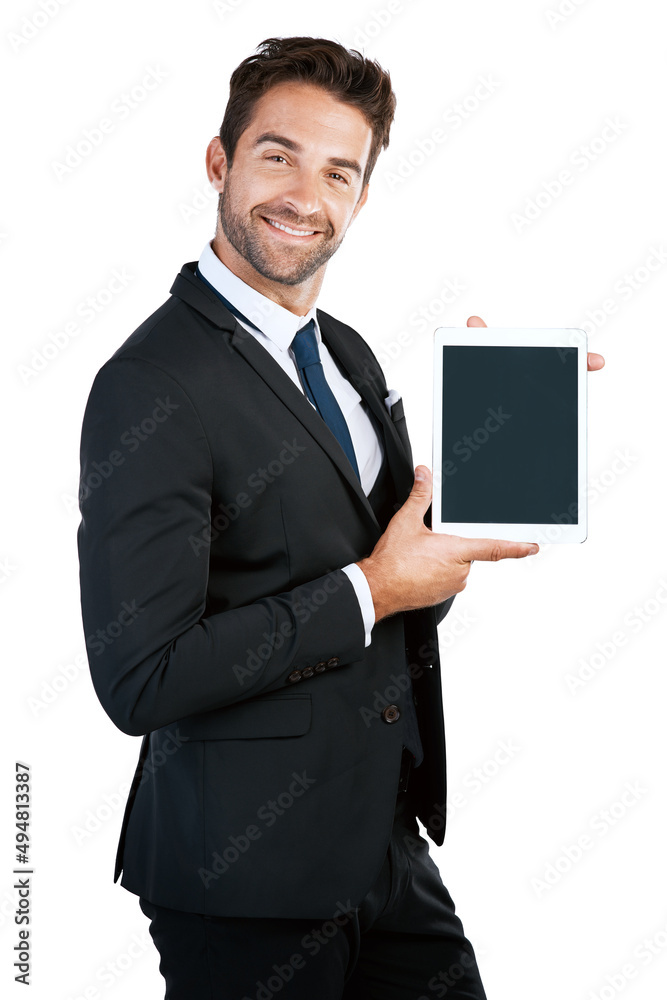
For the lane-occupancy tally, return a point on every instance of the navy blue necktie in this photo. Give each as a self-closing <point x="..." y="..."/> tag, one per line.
<point x="318" y="390"/>
<point x="311" y="372"/>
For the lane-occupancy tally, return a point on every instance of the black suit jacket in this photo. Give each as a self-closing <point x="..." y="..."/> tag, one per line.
<point x="217" y="509"/>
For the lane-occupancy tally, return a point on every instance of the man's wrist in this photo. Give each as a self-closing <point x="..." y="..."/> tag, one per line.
<point x="374" y="582"/>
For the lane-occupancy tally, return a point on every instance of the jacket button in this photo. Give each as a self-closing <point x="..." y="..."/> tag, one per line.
<point x="333" y="662"/>
<point x="391" y="713"/>
<point x="320" y="667"/>
<point x="294" y="676"/>
<point x="307" y="672"/>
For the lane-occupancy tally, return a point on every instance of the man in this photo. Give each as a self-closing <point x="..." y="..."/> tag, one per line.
<point x="260" y="588"/>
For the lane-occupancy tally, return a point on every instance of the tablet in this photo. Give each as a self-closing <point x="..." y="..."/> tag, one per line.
<point x="509" y="434"/>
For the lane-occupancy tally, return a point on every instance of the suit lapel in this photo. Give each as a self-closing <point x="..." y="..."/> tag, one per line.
<point x="369" y="383"/>
<point x="193" y="291"/>
<point x="270" y="371"/>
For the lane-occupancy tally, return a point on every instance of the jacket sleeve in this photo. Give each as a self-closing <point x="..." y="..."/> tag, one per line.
<point x="441" y="610"/>
<point x="145" y="490"/>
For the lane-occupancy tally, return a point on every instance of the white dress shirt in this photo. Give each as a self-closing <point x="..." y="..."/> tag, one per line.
<point x="278" y="327"/>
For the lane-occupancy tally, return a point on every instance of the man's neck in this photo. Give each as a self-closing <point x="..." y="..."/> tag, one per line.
<point x="298" y="299"/>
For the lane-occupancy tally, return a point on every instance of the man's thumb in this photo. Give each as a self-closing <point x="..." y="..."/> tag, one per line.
<point x="422" y="487"/>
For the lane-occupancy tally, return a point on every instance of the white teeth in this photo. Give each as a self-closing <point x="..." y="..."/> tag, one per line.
<point x="293" y="232"/>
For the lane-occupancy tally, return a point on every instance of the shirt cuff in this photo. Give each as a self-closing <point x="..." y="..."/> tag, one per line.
<point x="364" y="596"/>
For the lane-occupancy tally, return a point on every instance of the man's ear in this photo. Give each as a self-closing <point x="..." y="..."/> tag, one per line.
<point x="216" y="164"/>
<point x="360" y="204"/>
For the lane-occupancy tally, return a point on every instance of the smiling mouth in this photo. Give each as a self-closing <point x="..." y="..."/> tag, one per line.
<point x="300" y="234"/>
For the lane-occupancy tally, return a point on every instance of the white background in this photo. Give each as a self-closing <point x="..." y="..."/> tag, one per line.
<point x="523" y="626"/>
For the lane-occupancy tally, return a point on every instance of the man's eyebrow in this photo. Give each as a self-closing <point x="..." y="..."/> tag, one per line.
<point x="295" y="147"/>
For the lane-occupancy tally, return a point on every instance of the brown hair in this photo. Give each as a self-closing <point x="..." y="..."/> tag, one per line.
<point x="345" y="73"/>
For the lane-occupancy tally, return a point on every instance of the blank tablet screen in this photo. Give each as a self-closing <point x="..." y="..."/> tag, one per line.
<point x="509" y="434"/>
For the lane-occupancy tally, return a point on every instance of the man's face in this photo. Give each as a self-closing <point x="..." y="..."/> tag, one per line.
<point x="300" y="164"/>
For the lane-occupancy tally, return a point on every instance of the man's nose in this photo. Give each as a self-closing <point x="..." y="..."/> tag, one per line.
<point x="302" y="194"/>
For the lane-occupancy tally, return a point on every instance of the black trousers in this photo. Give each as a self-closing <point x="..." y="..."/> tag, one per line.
<point x="403" y="942"/>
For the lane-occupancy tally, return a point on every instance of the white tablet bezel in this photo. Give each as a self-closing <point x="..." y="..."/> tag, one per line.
<point x="548" y="533"/>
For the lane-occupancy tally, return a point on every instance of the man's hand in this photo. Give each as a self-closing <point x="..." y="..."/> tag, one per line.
<point x="595" y="361"/>
<point x="413" y="567"/>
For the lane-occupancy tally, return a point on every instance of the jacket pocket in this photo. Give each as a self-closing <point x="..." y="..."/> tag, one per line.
<point x="398" y="419"/>
<point x="257" y="718"/>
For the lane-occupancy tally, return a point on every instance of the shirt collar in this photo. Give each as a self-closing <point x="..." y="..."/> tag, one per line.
<point x="277" y="323"/>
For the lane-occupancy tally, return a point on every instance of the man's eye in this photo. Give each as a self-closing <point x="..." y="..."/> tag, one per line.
<point x="276" y="156"/>
<point x="344" y="180"/>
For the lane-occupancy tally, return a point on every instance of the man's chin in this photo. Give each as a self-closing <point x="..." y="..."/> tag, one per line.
<point x="285" y="277"/>
<point x="278" y="270"/>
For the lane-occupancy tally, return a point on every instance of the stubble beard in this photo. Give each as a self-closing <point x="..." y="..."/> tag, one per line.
<point x="276" y="264"/>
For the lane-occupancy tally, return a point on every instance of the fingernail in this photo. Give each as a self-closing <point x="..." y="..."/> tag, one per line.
<point x="419" y="475"/>
<point x="532" y="550"/>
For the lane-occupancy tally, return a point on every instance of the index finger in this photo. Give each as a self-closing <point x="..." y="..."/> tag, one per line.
<point x="494" y="549"/>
